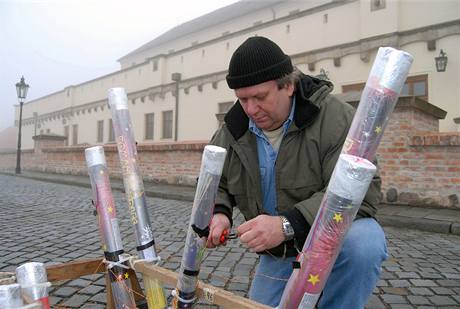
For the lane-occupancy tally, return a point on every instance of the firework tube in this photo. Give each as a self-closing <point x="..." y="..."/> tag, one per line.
<point x="377" y="102"/>
<point x="34" y="282"/>
<point x="348" y="185"/>
<point x="343" y="198"/>
<point x="134" y="188"/>
<point x="108" y="228"/>
<point x="195" y="245"/>
<point x="10" y="296"/>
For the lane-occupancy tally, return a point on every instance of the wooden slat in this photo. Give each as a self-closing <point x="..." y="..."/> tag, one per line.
<point x="74" y="270"/>
<point x="220" y="297"/>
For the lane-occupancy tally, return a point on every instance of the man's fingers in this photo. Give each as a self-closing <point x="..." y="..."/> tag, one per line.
<point x="245" y="227"/>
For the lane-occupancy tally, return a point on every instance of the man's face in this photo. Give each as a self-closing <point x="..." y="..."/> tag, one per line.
<point x="265" y="104"/>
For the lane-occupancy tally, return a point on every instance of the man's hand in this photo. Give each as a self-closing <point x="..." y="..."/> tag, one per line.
<point x="261" y="233"/>
<point x="219" y="223"/>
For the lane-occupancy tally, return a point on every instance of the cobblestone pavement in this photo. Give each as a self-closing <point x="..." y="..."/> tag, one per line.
<point x="54" y="223"/>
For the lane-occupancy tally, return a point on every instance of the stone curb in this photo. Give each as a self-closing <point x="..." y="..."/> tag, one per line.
<point x="114" y="184"/>
<point x="420" y="224"/>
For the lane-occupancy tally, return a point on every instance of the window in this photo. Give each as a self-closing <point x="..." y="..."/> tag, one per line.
<point x="100" y="131"/>
<point x="66" y="134"/>
<point x="167" y="124"/>
<point x="75" y="134"/>
<point x="111" y="134"/>
<point x="155" y="65"/>
<point x="149" y="125"/>
<point x="377" y="5"/>
<point x="414" y="85"/>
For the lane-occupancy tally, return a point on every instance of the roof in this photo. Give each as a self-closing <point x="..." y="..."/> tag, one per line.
<point x="216" y="17"/>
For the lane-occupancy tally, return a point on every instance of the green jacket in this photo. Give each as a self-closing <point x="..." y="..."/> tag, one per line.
<point x="306" y="158"/>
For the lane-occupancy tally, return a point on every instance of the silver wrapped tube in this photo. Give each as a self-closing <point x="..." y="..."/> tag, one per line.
<point x="108" y="226"/>
<point x="348" y="186"/>
<point x="134" y="188"/>
<point x="212" y="162"/>
<point x="34" y="282"/>
<point x="377" y="102"/>
<point x="10" y="296"/>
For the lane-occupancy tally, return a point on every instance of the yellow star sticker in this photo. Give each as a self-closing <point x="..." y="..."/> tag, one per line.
<point x="126" y="275"/>
<point x="313" y="279"/>
<point x="378" y="130"/>
<point x="338" y="217"/>
<point x="110" y="210"/>
<point x="104" y="247"/>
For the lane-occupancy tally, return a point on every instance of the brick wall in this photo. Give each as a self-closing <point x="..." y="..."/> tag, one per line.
<point x="418" y="165"/>
<point x="177" y="163"/>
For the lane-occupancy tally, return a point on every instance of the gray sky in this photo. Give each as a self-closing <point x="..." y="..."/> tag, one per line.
<point x="56" y="43"/>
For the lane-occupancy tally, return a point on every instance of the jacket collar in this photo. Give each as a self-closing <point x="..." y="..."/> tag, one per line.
<point x="309" y="93"/>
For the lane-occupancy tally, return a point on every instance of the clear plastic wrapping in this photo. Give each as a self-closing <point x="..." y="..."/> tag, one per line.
<point x="350" y="180"/>
<point x="377" y="102"/>
<point x="195" y="245"/>
<point x="348" y="185"/>
<point x="10" y="296"/>
<point x="34" y="282"/>
<point x="134" y="188"/>
<point x="108" y="227"/>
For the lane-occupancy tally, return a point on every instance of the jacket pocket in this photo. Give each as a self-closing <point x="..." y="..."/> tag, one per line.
<point x="297" y="186"/>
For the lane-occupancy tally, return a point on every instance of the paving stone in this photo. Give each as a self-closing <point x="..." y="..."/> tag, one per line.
<point x="375" y="303"/>
<point x="92" y="289"/>
<point x="65" y="291"/>
<point x="76" y="301"/>
<point x="395" y="291"/>
<point x="394" y="299"/>
<point x="420" y="291"/>
<point x="79" y="283"/>
<point x="421" y="282"/>
<point x="100" y="298"/>
<point x="442" y="300"/>
<point x="418" y="300"/>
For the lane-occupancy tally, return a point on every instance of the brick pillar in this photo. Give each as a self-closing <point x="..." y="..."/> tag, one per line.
<point x="47" y="141"/>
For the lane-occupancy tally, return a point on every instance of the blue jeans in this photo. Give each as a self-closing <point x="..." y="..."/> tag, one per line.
<point x="352" y="279"/>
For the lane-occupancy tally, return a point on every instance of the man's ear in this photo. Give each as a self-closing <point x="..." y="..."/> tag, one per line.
<point x="290" y="89"/>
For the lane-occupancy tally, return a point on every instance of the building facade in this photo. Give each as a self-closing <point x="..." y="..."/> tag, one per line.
<point x="182" y="72"/>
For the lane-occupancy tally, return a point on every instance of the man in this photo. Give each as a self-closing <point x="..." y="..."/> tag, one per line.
<point x="284" y="135"/>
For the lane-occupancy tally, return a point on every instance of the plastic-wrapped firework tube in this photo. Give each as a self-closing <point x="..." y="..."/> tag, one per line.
<point x="108" y="227"/>
<point x="377" y="102"/>
<point x="34" y="282"/>
<point x="347" y="188"/>
<point x="134" y="188"/>
<point x="195" y="245"/>
<point x="10" y="296"/>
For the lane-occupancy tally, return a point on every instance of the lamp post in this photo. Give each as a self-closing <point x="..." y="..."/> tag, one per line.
<point x="21" y="89"/>
<point x="177" y="78"/>
<point x="323" y="74"/>
<point x="441" y="61"/>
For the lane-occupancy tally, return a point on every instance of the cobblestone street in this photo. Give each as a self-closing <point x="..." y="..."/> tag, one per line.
<point x="54" y="223"/>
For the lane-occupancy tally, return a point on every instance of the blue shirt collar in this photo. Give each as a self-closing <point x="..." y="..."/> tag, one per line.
<point x="254" y="129"/>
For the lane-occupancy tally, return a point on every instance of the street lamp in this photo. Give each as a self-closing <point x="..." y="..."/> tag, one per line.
<point x="176" y="77"/>
<point x="323" y="74"/>
<point x="21" y="89"/>
<point x="441" y="61"/>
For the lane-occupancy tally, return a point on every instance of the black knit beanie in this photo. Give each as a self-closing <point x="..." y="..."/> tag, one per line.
<point x="255" y="61"/>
